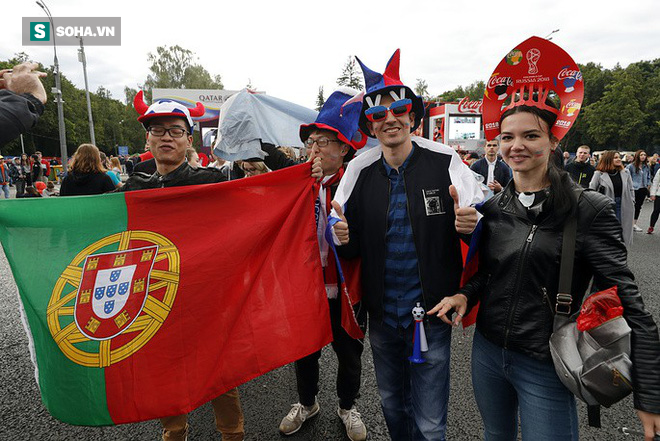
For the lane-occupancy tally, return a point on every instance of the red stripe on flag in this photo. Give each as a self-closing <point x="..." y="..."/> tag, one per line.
<point x="470" y="268"/>
<point x="250" y="295"/>
<point x="351" y="294"/>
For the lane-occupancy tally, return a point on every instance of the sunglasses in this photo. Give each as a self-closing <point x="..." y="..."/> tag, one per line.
<point x="398" y="108"/>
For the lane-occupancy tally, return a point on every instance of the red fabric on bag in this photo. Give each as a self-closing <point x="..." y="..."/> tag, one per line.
<point x="599" y="308"/>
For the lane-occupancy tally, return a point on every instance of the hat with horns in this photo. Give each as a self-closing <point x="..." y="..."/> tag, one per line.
<point x="388" y="83"/>
<point x="165" y="107"/>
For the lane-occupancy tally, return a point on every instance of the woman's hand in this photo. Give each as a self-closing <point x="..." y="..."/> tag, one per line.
<point x="651" y="424"/>
<point x="457" y="303"/>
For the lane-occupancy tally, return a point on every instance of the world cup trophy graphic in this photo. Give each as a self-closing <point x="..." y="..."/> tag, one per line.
<point x="533" y="56"/>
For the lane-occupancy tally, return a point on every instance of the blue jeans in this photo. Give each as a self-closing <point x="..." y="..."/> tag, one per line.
<point x="414" y="397"/>
<point x="617" y="207"/>
<point x="507" y="383"/>
<point x="5" y="190"/>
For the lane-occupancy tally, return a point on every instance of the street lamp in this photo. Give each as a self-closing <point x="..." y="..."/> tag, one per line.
<point x="83" y="60"/>
<point x="57" y="91"/>
<point x="548" y="37"/>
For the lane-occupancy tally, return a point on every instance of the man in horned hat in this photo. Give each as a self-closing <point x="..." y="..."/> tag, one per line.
<point x="406" y="202"/>
<point x="169" y="127"/>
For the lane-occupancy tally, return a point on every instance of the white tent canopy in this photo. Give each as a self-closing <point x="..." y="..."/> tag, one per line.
<point x="247" y="119"/>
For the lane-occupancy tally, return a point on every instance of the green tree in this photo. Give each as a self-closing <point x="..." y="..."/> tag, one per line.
<point x="422" y="89"/>
<point x="175" y="68"/>
<point x="350" y="75"/>
<point x="474" y="91"/>
<point x="320" y="100"/>
<point x="115" y="122"/>
<point x="617" y="119"/>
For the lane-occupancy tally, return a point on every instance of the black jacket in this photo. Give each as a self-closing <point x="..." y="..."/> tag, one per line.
<point x="80" y="184"/>
<point x="148" y="167"/>
<point x="183" y="175"/>
<point x="18" y="114"/>
<point x="581" y="172"/>
<point x="436" y="240"/>
<point x="502" y="172"/>
<point x="37" y="172"/>
<point x="518" y="277"/>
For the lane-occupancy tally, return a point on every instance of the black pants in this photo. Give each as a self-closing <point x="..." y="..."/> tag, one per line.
<point x="656" y="211"/>
<point x="20" y="186"/>
<point x="640" y="195"/>
<point x="349" y="356"/>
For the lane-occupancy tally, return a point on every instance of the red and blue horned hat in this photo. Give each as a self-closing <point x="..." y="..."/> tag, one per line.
<point x="526" y="76"/>
<point x="165" y="107"/>
<point x="339" y="114"/>
<point x="388" y="83"/>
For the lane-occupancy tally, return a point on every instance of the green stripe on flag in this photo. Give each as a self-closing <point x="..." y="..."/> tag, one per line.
<point x="40" y="238"/>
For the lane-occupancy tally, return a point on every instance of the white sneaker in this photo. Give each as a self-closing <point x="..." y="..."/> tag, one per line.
<point x="297" y="416"/>
<point x="637" y="229"/>
<point x="355" y="428"/>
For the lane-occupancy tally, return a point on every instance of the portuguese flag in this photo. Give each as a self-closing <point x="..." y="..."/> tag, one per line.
<point x="150" y="303"/>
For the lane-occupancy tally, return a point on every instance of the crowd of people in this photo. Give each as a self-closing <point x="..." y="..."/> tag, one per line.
<point x="404" y="208"/>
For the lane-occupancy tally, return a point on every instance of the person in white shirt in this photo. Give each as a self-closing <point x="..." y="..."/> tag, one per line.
<point x="496" y="172"/>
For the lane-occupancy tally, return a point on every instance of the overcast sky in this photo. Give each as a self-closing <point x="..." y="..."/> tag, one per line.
<point x="290" y="48"/>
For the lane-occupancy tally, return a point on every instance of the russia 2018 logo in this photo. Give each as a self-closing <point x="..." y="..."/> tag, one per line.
<point x="113" y="297"/>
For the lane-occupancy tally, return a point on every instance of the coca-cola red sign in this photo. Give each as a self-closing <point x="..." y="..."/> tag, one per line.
<point x="499" y="81"/>
<point x="468" y="106"/>
<point x="569" y="73"/>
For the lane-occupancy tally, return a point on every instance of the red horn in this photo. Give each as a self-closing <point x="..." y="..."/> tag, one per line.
<point x="392" y="69"/>
<point x="198" y="110"/>
<point x="139" y="104"/>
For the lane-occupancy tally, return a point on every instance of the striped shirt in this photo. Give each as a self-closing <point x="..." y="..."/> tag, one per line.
<point x="403" y="287"/>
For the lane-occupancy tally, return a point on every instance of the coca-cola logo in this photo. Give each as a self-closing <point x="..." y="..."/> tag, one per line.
<point x="468" y="106"/>
<point x="569" y="73"/>
<point x="571" y="108"/>
<point x="499" y="81"/>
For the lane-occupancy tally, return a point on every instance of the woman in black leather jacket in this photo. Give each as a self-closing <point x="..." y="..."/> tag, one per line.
<point x="517" y="282"/>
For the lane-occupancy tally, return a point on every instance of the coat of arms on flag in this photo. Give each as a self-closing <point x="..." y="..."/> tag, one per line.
<point x="117" y="293"/>
<point x="112" y="291"/>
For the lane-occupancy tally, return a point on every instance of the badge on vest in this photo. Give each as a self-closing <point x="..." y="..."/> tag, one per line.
<point x="433" y="202"/>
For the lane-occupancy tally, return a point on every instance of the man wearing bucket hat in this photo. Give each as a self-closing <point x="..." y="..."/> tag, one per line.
<point x="405" y="203"/>
<point x="169" y="127"/>
<point x="332" y="137"/>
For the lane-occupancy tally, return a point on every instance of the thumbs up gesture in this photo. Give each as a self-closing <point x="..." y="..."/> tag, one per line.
<point x="341" y="227"/>
<point x="466" y="217"/>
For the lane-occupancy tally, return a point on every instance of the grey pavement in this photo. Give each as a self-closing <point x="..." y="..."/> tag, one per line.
<point x="267" y="399"/>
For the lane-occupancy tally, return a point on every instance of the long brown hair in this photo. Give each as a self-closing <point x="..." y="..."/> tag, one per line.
<point x="562" y="198"/>
<point x="606" y="162"/>
<point x="637" y="162"/>
<point x="87" y="159"/>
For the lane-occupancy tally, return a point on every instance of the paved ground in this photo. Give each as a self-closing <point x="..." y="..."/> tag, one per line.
<point x="266" y="400"/>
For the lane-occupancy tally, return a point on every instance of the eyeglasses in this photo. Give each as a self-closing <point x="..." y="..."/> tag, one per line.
<point x="398" y="108"/>
<point x="174" y="132"/>
<point x="321" y="142"/>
